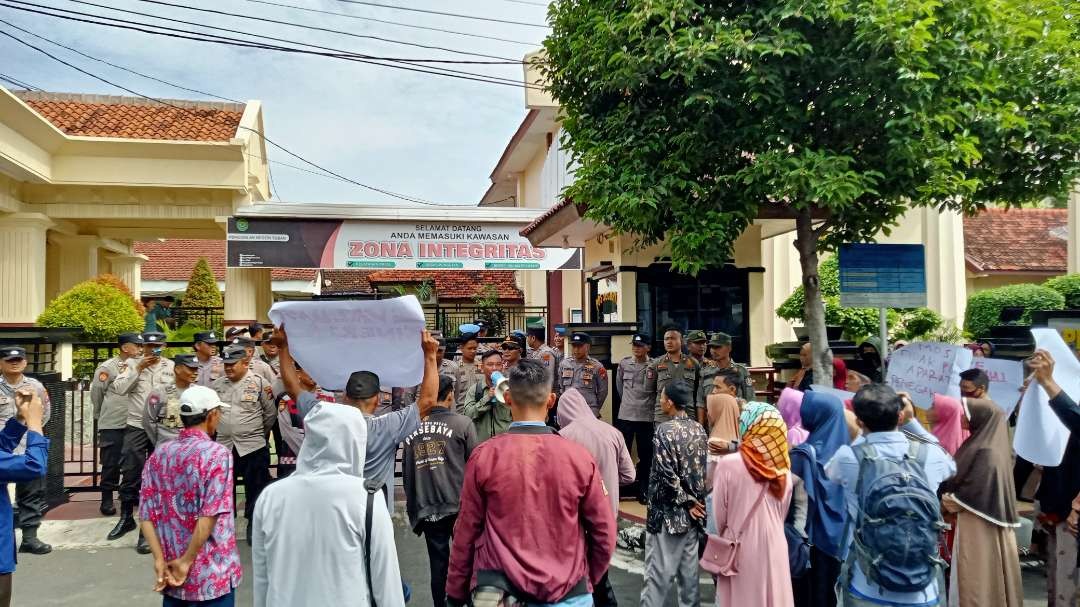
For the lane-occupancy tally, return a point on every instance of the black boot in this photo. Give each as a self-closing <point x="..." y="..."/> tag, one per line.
<point x="31" y="544"/>
<point x="143" y="547"/>
<point x="108" y="508"/>
<point x="125" y="524"/>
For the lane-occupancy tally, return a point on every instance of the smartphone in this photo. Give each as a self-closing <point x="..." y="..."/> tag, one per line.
<point x="157" y="351"/>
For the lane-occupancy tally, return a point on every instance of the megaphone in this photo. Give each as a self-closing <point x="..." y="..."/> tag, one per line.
<point x="502" y="385"/>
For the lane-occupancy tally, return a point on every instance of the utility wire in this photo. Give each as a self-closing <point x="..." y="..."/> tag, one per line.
<point x="388" y="22"/>
<point x="527" y="2"/>
<point x="502" y="60"/>
<point x="402" y="64"/>
<point x="430" y="12"/>
<point x="18" y="83"/>
<point x="255" y="131"/>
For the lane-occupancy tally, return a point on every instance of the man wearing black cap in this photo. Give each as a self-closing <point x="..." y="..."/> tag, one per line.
<point x="110" y="412"/>
<point x="720" y="360"/>
<point x="636" y="408"/>
<point x="29" y="495"/>
<point x="256" y="364"/>
<point x="151" y="372"/>
<point x="210" y="365"/>
<point x="669" y="367"/>
<point x="585" y="373"/>
<point x="513" y="348"/>
<point x="246" y="424"/>
<point x="162" y="421"/>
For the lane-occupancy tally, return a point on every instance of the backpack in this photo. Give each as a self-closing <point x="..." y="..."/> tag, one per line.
<point x="898" y="524"/>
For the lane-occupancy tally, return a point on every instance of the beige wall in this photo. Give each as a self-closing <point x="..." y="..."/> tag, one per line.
<point x="976" y="283"/>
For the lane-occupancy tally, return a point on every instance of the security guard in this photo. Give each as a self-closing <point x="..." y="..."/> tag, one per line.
<point x="695" y="346"/>
<point x="256" y="364"/>
<point x="29" y="495"/>
<point x="466" y="370"/>
<point x="210" y="365"/>
<point x="162" y="418"/>
<point x="719" y="360"/>
<point x="151" y="372"/>
<point x="636" y="409"/>
<point x="671" y="366"/>
<point x="538" y="349"/>
<point x="246" y="424"/>
<point x="585" y="373"/>
<point x="110" y="413"/>
<point x="513" y="350"/>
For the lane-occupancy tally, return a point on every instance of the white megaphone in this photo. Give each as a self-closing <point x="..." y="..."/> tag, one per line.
<point x="502" y="385"/>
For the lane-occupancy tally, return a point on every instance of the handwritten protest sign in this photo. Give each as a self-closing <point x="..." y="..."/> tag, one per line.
<point x="331" y="339"/>
<point x="1006" y="378"/>
<point x="1040" y="436"/>
<point x="924" y="368"/>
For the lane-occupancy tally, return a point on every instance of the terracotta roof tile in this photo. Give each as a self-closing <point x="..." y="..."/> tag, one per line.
<point x="1017" y="240"/>
<point x="346" y="281"/>
<point x="130" y="118"/>
<point x="174" y="259"/>
<point x="450" y="286"/>
<point x="555" y="208"/>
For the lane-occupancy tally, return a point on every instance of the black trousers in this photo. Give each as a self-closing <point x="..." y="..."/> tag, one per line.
<point x="110" y="446"/>
<point x="132" y="459"/>
<point x="255" y="470"/>
<point x="1022" y="470"/>
<point x="30" y="503"/>
<point x="642" y="434"/>
<point x="437" y="535"/>
<point x="818" y="587"/>
<point x="604" y="595"/>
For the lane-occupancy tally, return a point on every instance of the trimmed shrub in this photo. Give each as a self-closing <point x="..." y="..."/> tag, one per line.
<point x="916" y="324"/>
<point x="202" y="290"/>
<point x="114" y="281"/>
<point x="1069" y="286"/>
<point x="102" y="310"/>
<point x="984" y="308"/>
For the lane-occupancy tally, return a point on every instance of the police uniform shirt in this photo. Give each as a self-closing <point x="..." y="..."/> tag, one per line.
<point x="664" y="370"/>
<point x="247" y="422"/>
<point x="546" y="355"/>
<point x="209" y="371"/>
<point x="7" y="402"/>
<point x="162" y="417"/>
<point x="589" y="377"/>
<point x="139" y="384"/>
<point x="263" y="370"/>
<point x="110" y="405"/>
<point x="465" y="376"/>
<point x="275" y="364"/>
<point x="630" y="382"/>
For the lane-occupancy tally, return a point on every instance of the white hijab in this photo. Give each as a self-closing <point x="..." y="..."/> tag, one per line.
<point x="308" y="530"/>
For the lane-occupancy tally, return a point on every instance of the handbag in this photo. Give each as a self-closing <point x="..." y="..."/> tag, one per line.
<point x="722" y="551"/>
<point x="798" y="551"/>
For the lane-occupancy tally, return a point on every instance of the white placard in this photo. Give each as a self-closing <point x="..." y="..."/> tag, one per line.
<point x="843" y="395"/>
<point x="923" y="369"/>
<point x="1040" y="436"/>
<point x="1006" y="379"/>
<point x="332" y="339"/>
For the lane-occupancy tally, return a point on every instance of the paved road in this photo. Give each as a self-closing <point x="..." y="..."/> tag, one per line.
<point x="89" y="575"/>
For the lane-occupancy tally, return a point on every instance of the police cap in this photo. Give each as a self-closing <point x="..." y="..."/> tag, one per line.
<point x="13" y="352"/>
<point x="233" y="354"/>
<point x="206" y="336"/>
<point x="640" y="339"/>
<point x="186" y="360"/>
<point x="153" y="338"/>
<point x="130" y="338"/>
<point x="581" y="338"/>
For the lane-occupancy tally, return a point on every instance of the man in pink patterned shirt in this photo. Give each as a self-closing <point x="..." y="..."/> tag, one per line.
<point x="186" y="510"/>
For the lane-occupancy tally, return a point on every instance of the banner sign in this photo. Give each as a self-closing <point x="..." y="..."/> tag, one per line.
<point x="882" y="276"/>
<point x="1006" y="379"/>
<point x="348" y="244"/>
<point x="924" y="369"/>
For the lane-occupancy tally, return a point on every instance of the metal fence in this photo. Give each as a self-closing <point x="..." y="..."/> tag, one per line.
<point x="501" y="319"/>
<point x="207" y="317"/>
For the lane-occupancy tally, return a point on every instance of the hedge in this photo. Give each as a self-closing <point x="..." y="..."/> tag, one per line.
<point x="102" y="310"/>
<point x="202" y="290"/>
<point x="115" y="281"/>
<point x="1069" y="286"/>
<point x="984" y="308"/>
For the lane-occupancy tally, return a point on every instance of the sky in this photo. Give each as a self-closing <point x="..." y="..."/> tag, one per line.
<point x="426" y="136"/>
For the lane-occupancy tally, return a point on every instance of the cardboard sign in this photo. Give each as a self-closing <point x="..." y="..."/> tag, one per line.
<point x="1006" y="379"/>
<point x="924" y="369"/>
<point x="1040" y="436"/>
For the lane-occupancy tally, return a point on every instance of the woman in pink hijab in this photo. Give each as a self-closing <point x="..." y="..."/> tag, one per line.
<point x="789" y="405"/>
<point x="945" y="422"/>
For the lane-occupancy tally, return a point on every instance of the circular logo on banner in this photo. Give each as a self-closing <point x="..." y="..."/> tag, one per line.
<point x="242" y="225"/>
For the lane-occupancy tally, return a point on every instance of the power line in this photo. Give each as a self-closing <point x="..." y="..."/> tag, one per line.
<point x="388" y="22"/>
<point x="322" y="29"/>
<point x="430" y="12"/>
<point x="255" y="131"/>
<point x="403" y="64"/>
<point x="18" y="83"/>
<point x="527" y="2"/>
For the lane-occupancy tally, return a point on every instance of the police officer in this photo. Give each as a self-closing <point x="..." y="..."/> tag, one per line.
<point x="466" y="370"/>
<point x="636" y="409"/>
<point x="270" y="357"/>
<point x="256" y="364"/>
<point x="513" y="350"/>
<point x="671" y="366"/>
<point x="151" y="372"/>
<point x="29" y="495"/>
<point x="584" y="373"/>
<point x="246" y="424"/>
<point x="558" y="343"/>
<point x="538" y="349"/>
<point x="720" y="360"/>
<point x="161" y="420"/>
<point x="110" y="413"/>
<point x="210" y="365"/>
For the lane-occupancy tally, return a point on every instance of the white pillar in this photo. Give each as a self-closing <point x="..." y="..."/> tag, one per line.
<point x="78" y="259"/>
<point x="128" y="268"/>
<point x="1074" y="232"/>
<point x="747" y="250"/>
<point x="246" y="290"/>
<point x="264" y="295"/>
<point x="22" y="268"/>
<point x="946" y="285"/>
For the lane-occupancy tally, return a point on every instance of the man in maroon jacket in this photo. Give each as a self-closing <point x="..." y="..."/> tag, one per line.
<point x="535" y="522"/>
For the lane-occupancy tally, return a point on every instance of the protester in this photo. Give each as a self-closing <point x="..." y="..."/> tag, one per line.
<point x="433" y="470"/>
<point x="291" y="424"/>
<point x="751" y="493"/>
<point x="855" y="380"/>
<point x="723" y="411"/>
<point x="724" y="382"/>
<point x="974" y="383"/>
<point x="312" y="543"/>
<point x="490" y="416"/>
<point x="27" y="422"/>
<point x="577" y="423"/>
<point x="788" y="404"/>
<point x="676" y="501"/>
<point x="839" y="374"/>
<point x="559" y="549"/>
<point x="1058" y="490"/>
<point x="186" y="509"/>
<point x="826" y="512"/>
<point x="946" y="417"/>
<point x="805" y="375"/>
<point x="878" y="408"/>
<point x="871" y="351"/>
<point x="985" y="562"/>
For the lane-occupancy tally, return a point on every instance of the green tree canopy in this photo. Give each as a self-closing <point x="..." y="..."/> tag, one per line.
<point x="102" y="310"/>
<point x="688" y="118"/>
<point x="202" y="290"/>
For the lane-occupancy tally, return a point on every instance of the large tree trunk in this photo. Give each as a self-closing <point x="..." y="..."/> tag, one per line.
<point x="814" y="306"/>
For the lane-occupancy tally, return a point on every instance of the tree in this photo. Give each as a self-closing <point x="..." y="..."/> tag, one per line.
<point x="115" y="281"/>
<point x="202" y="290"/>
<point x="689" y="119"/>
<point x="102" y="310"/>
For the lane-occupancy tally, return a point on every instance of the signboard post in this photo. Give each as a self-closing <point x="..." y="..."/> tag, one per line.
<point x="883" y="276"/>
